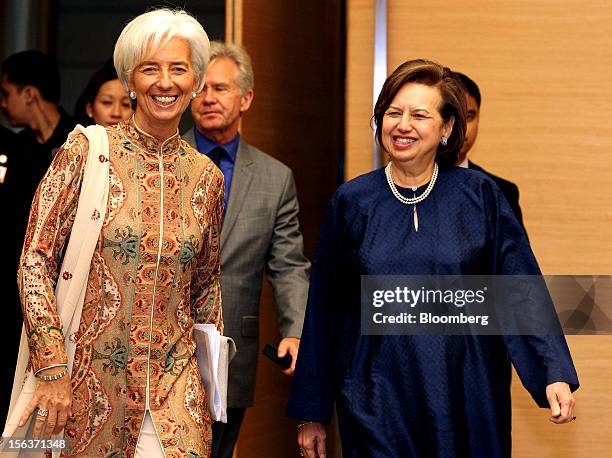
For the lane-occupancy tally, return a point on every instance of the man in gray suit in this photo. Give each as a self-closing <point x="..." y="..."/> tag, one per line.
<point x="260" y="231"/>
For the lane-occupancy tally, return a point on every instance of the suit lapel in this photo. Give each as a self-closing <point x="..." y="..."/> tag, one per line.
<point x="189" y="137"/>
<point x="241" y="181"/>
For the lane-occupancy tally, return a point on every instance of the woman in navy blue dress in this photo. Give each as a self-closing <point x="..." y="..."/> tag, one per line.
<point x="441" y="396"/>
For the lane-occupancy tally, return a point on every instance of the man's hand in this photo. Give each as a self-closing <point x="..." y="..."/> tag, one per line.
<point x="561" y="402"/>
<point x="290" y="345"/>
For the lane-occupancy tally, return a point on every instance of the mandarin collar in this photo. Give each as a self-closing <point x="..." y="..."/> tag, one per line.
<point x="148" y="142"/>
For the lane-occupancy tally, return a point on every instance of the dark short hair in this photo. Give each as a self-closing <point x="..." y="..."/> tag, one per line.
<point x="103" y="75"/>
<point x="470" y="86"/>
<point x="453" y="102"/>
<point x="34" y="68"/>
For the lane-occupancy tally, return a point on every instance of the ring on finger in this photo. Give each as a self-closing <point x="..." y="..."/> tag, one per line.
<point x="42" y="413"/>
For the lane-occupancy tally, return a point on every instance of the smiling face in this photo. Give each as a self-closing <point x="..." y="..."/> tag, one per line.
<point x="111" y="104"/>
<point x="163" y="82"/>
<point x="412" y="126"/>
<point x="217" y="110"/>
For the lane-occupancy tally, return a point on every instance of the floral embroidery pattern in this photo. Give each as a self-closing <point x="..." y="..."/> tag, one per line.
<point x="116" y="195"/>
<point x="91" y="410"/>
<point x="116" y="357"/>
<point x="176" y="362"/>
<point x="189" y="250"/>
<point x="125" y="245"/>
<point x="147" y="284"/>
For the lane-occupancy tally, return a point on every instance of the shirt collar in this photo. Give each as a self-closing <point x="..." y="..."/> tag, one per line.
<point x="206" y="145"/>
<point x="146" y="141"/>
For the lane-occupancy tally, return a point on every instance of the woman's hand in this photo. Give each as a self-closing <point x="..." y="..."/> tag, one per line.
<point x="311" y="439"/>
<point x="53" y="397"/>
<point x="561" y="402"/>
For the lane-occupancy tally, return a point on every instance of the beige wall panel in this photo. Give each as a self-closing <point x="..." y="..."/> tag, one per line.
<point x="543" y="68"/>
<point x="233" y="21"/>
<point x="589" y="436"/>
<point x="359" y="86"/>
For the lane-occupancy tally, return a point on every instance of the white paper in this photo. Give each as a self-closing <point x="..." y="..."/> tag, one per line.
<point x="208" y="340"/>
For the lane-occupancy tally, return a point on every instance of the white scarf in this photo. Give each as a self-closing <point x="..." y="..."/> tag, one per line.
<point x="69" y="293"/>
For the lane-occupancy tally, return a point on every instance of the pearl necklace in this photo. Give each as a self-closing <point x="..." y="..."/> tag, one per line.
<point x="414" y="200"/>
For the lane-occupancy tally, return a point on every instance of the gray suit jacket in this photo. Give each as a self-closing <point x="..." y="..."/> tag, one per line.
<point x="260" y="233"/>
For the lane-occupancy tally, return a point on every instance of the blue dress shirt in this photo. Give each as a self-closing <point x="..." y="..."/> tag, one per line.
<point x="227" y="161"/>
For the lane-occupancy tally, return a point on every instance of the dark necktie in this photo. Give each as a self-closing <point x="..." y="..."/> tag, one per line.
<point x="216" y="154"/>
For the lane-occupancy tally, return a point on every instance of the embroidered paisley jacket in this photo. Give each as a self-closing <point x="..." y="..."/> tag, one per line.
<point x="155" y="273"/>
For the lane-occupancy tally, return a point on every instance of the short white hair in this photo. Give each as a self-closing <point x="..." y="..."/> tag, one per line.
<point x="237" y="53"/>
<point x="154" y="29"/>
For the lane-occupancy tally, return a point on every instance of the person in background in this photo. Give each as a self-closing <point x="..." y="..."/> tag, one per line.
<point x="29" y="97"/>
<point x="30" y="89"/>
<point x="260" y="231"/>
<point x="135" y="388"/>
<point x="472" y="97"/>
<point x="104" y="100"/>
<point x="30" y="93"/>
<point x="438" y="395"/>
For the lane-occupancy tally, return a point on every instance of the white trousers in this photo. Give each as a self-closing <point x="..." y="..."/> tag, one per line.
<point x="148" y="445"/>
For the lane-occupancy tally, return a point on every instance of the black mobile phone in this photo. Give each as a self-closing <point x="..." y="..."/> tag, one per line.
<point x="271" y="352"/>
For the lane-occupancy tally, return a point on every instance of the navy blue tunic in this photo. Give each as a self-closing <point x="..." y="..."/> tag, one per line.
<point x="417" y="396"/>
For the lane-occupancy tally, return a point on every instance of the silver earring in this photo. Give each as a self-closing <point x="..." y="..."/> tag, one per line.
<point x="132" y="95"/>
<point x="444" y="141"/>
<point x="194" y="94"/>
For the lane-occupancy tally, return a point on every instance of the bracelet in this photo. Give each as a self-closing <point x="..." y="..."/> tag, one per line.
<point x="304" y="424"/>
<point x="51" y="378"/>
<point x="50" y="367"/>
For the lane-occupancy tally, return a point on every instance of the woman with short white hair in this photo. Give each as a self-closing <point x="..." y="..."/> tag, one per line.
<point x="135" y="385"/>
